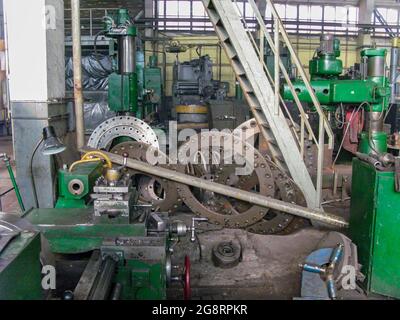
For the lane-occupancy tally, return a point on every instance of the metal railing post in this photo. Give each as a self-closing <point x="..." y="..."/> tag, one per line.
<point x="276" y="66"/>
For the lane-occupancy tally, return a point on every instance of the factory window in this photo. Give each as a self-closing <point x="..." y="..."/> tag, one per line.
<point x="198" y="12"/>
<point x="310" y="14"/>
<point x="353" y="14"/>
<point x="391" y="17"/>
<point x="341" y="20"/>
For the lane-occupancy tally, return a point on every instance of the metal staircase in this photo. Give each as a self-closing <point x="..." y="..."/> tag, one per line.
<point x="262" y="91"/>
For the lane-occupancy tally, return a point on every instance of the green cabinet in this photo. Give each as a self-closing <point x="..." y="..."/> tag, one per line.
<point x="375" y="228"/>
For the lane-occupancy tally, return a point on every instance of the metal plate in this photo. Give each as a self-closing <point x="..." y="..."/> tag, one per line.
<point x="169" y="201"/>
<point x="287" y="190"/>
<point x="230" y="217"/>
<point x="250" y="129"/>
<point x="122" y="126"/>
<point x="278" y="222"/>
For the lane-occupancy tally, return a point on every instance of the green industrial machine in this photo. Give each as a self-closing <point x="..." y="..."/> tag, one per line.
<point x="134" y="89"/>
<point x="135" y="256"/>
<point x="368" y="91"/>
<point x="76" y="184"/>
<point x="123" y="84"/>
<point x="125" y="247"/>
<point x="153" y="86"/>
<point x="375" y="193"/>
<point x="20" y="269"/>
<point x="374" y="226"/>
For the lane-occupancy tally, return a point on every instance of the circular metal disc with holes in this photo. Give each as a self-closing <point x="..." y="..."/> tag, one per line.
<point x="169" y="200"/>
<point x="276" y="222"/>
<point x="250" y="128"/>
<point x="229" y="218"/>
<point x="227" y="254"/>
<point x="122" y="126"/>
<point x="288" y="190"/>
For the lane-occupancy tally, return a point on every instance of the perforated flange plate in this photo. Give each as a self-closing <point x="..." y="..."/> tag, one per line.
<point x="250" y="129"/>
<point x="227" y="218"/>
<point x="138" y="151"/>
<point x="122" y="126"/>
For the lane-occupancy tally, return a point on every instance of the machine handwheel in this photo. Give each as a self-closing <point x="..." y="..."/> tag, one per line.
<point x="187" y="291"/>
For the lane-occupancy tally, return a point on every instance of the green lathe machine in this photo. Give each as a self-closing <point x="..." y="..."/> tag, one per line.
<point x="363" y="93"/>
<point x="118" y="248"/>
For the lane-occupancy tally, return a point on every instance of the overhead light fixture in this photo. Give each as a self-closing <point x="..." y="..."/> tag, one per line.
<point x="51" y="143"/>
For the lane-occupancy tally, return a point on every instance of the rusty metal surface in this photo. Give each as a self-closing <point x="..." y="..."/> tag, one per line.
<point x="219" y="209"/>
<point x="166" y="198"/>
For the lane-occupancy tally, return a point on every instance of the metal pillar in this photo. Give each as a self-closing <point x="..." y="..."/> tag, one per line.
<point x="36" y="74"/>
<point x="365" y="13"/>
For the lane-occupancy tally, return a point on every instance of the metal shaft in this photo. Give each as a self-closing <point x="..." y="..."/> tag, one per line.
<point x="394" y="63"/>
<point x="77" y="66"/>
<point x="229" y="191"/>
<point x="102" y="289"/>
<point x="127" y="54"/>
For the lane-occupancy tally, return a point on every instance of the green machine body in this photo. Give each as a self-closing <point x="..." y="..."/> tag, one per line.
<point x="75" y="187"/>
<point x="123" y="84"/>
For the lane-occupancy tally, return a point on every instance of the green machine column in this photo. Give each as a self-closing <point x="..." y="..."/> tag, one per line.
<point x="374" y="139"/>
<point x="371" y="91"/>
<point x="123" y="84"/>
<point x="153" y="84"/>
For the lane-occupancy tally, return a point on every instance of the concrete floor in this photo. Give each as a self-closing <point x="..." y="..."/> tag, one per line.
<point x="269" y="268"/>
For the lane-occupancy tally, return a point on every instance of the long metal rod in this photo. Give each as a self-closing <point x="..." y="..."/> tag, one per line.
<point x="249" y="197"/>
<point x="77" y="66"/>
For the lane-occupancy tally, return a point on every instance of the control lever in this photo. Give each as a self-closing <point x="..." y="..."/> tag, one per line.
<point x="193" y="227"/>
<point x="124" y="164"/>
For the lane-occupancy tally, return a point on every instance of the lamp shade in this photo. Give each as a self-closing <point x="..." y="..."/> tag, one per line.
<point x="51" y="143"/>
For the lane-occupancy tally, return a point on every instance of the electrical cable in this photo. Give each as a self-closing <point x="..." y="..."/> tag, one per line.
<point x="347" y="129"/>
<point x="95" y="41"/>
<point x="35" y="197"/>
<point x="388" y="110"/>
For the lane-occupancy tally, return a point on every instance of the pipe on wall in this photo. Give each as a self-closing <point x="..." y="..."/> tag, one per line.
<point x="77" y="66"/>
